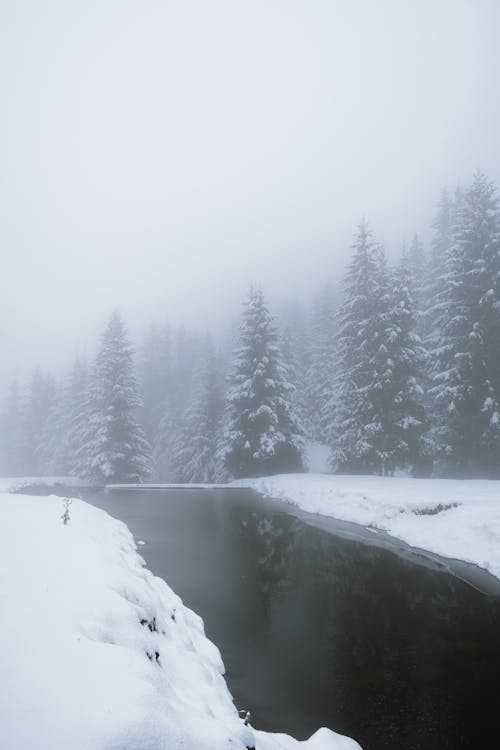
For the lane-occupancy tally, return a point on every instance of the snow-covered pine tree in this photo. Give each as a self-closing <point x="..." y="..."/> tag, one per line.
<point x="167" y="444"/>
<point x="394" y="396"/>
<point x="365" y="300"/>
<point x="467" y="339"/>
<point x="195" y="459"/>
<point x="442" y="226"/>
<point x="114" y="446"/>
<point x="415" y="263"/>
<point x="36" y="410"/>
<point x="484" y="229"/>
<point x="289" y="345"/>
<point x="433" y="302"/>
<point x="294" y="335"/>
<point x="262" y="432"/>
<point x="179" y="382"/>
<point x="320" y="385"/>
<point x="53" y="449"/>
<point x="77" y="401"/>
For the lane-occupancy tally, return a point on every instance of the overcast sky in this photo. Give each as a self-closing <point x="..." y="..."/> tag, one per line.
<point x="159" y="156"/>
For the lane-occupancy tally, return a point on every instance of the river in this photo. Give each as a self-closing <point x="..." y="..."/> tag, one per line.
<point x="318" y="628"/>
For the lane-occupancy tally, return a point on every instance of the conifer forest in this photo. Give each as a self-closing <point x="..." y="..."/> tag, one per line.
<point x="395" y="367"/>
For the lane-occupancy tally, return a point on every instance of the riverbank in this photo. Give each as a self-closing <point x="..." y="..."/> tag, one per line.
<point x="96" y="652"/>
<point x="457" y="519"/>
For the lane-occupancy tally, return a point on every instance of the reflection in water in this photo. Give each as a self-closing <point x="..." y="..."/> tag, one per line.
<point x="316" y="630"/>
<point x="267" y="541"/>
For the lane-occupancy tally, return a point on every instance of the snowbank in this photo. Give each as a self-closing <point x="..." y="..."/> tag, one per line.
<point x="97" y="653"/>
<point x="454" y="518"/>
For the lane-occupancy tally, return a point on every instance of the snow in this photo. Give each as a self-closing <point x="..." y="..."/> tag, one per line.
<point x="321" y="740"/>
<point x="457" y="519"/>
<point x="80" y="615"/>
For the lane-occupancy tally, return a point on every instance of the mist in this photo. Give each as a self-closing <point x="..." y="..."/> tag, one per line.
<point x="159" y="157"/>
<point x="250" y="376"/>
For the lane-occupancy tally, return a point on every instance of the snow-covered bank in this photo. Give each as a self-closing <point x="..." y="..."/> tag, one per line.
<point x="454" y="518"/>
<point x="96" y="652"/>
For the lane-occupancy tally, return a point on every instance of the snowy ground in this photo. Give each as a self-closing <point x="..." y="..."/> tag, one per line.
<point x="98" y="654"/>
<point x="454" y="518"/>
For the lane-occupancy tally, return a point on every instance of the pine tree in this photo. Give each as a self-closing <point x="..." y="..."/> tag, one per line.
<point x="360" y="324"/>
<point x="36" y="410"/>
<point x="435" y="315"/>
<point x="195" y="459"/>
<point x="320" y="374"/>
<point x="467" y="337"/>
<point x="294" y="342"/>
<point x="114" y="448"/>
<point x="290" y="346"/>
<point x="435" y="284"/>
<point x="179" y="367"/>
<point x="53" y="449"/>
<point x="262" y="433"/>
<point x="442" y="226"/>
<point x="167" y="444"/>
<point x="415" y="263"/>
<point x="77" y="402"/>
<point x="380" y="422"/>
<point x="395" y="398"/>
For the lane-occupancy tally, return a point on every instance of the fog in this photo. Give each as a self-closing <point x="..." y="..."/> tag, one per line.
<point x="159" y="156"/>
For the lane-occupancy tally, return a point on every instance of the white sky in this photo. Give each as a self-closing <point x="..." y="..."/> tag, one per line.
<point x="158" y="156"/>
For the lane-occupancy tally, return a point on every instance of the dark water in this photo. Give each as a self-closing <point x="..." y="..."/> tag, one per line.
<point x="317" y="630"/>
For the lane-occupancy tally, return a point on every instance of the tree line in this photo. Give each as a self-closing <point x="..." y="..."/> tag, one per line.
<point x="398" y="370"/>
